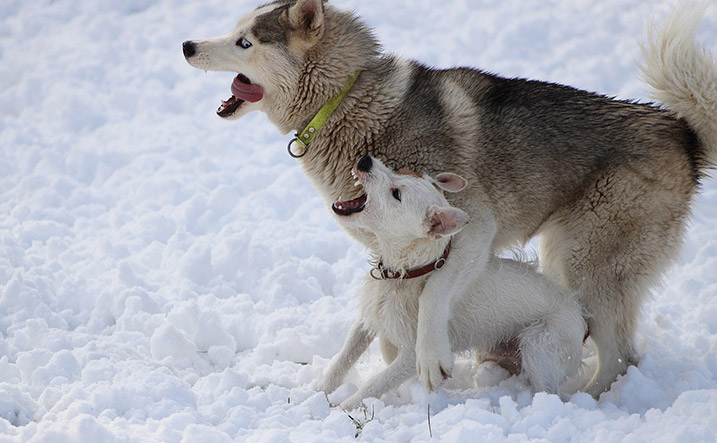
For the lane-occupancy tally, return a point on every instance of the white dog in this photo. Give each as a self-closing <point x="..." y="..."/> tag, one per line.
<point x="414" y="229"/>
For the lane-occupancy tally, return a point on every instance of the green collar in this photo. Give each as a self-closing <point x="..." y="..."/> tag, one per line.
<point x="303" y="138"/>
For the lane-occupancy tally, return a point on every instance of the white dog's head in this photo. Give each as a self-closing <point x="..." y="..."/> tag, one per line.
<point x="400" y="208"/>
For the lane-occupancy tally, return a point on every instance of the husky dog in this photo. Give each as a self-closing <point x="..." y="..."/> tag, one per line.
<point x="415" y="230"/>
<point x="606" y="184"/>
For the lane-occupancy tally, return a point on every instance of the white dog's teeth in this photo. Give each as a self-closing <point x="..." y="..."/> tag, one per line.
<point x="357" y="183"/>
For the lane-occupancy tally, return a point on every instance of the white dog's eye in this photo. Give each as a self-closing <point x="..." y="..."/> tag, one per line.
<point x="396" y="193"/>
<point x="244" y="43"/>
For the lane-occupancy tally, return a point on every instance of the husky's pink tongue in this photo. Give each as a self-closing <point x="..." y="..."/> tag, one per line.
<point x="246" y="91"/>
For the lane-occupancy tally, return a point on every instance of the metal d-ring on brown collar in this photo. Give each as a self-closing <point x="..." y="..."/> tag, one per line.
<point x="387" y="274"/>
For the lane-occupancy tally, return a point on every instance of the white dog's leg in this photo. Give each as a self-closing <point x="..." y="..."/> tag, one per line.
<point x="400" y="370"/>
<point x="434" y="354"/>
<point x="551" y="348"/>
<point x="388" y="350"/>
<point x="356" y="343"/>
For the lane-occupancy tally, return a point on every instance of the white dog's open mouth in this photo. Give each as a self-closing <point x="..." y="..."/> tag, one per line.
<point x="243" y="90"/>
<point x="346" y="208"/>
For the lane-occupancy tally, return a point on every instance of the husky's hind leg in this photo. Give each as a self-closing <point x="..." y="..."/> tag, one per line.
<point x="612" y="245"/>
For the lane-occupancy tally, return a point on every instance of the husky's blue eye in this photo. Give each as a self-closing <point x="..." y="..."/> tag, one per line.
<point x="244" y="43"/>
<point x="396" y="193"/>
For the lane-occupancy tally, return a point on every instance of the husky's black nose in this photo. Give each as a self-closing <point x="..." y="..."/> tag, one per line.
<point x="364" y="165"/>
<point x="189" y="48"/>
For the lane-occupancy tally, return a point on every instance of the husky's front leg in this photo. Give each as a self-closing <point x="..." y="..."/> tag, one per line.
<point x="400" y="370"/>
<point x="356" y="343"/>
<point x="469" y="256"/>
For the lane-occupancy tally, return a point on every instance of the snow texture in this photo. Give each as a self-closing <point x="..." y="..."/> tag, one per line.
<point x="169" y="276"/>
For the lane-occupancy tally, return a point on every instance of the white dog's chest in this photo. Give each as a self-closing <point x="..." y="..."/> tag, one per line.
<point x="390" y="308"/>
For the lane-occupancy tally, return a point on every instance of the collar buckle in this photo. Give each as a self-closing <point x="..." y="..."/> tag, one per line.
<point x="380" y="276"/>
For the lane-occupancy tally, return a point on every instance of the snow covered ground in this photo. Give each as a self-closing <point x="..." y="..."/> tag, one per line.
<point x="169" y="276"/>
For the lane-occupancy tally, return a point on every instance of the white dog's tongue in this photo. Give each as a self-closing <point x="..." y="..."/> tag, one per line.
<point x="246" y="91"/>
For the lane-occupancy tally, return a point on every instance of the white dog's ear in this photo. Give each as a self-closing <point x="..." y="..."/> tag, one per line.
<point x="450" y="182"/>
<point x="308" y="16"/>
<point x="445" y="221"/>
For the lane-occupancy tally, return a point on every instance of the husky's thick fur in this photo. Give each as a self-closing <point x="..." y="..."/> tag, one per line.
<point x="607" y="184"/>
<point x="414" y="223"/>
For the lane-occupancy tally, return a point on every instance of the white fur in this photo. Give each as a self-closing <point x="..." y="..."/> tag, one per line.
<point x="504" y="298"/>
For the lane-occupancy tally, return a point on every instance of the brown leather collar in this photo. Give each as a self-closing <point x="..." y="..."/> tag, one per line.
<point x="387" y="274"/>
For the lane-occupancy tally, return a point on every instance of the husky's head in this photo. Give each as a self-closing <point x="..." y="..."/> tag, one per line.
<point x="289" y="58"/>
<point x="399" y="207"/>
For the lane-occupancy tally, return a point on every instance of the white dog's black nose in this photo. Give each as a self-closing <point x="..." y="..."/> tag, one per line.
<point x="189" y="48"/>
<point x="364" y="165"/>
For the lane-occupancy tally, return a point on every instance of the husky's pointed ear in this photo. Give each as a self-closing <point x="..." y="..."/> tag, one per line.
<point x="450" y="182"/>
<point x="445" y="221"/>
<point x="307" y="16"/>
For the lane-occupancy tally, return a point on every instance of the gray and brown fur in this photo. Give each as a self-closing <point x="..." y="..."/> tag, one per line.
<point x="606" y="184"/>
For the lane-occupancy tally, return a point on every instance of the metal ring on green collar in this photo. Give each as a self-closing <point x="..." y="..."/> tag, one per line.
<point x="291" y="153"/>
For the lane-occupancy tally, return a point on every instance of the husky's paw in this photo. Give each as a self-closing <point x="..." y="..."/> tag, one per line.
<point x="434" y="362"/>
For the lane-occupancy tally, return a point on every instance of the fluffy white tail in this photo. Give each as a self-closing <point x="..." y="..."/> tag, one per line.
<point x="684" y="75"/>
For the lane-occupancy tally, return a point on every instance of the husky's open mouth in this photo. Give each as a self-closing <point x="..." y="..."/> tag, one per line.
<point x="242" y="90"/>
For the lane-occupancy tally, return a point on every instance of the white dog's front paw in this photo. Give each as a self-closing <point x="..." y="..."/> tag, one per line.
<point x="353" y="402"/>
<point x="327" y="385"/>
<point x="434" y="363"/>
